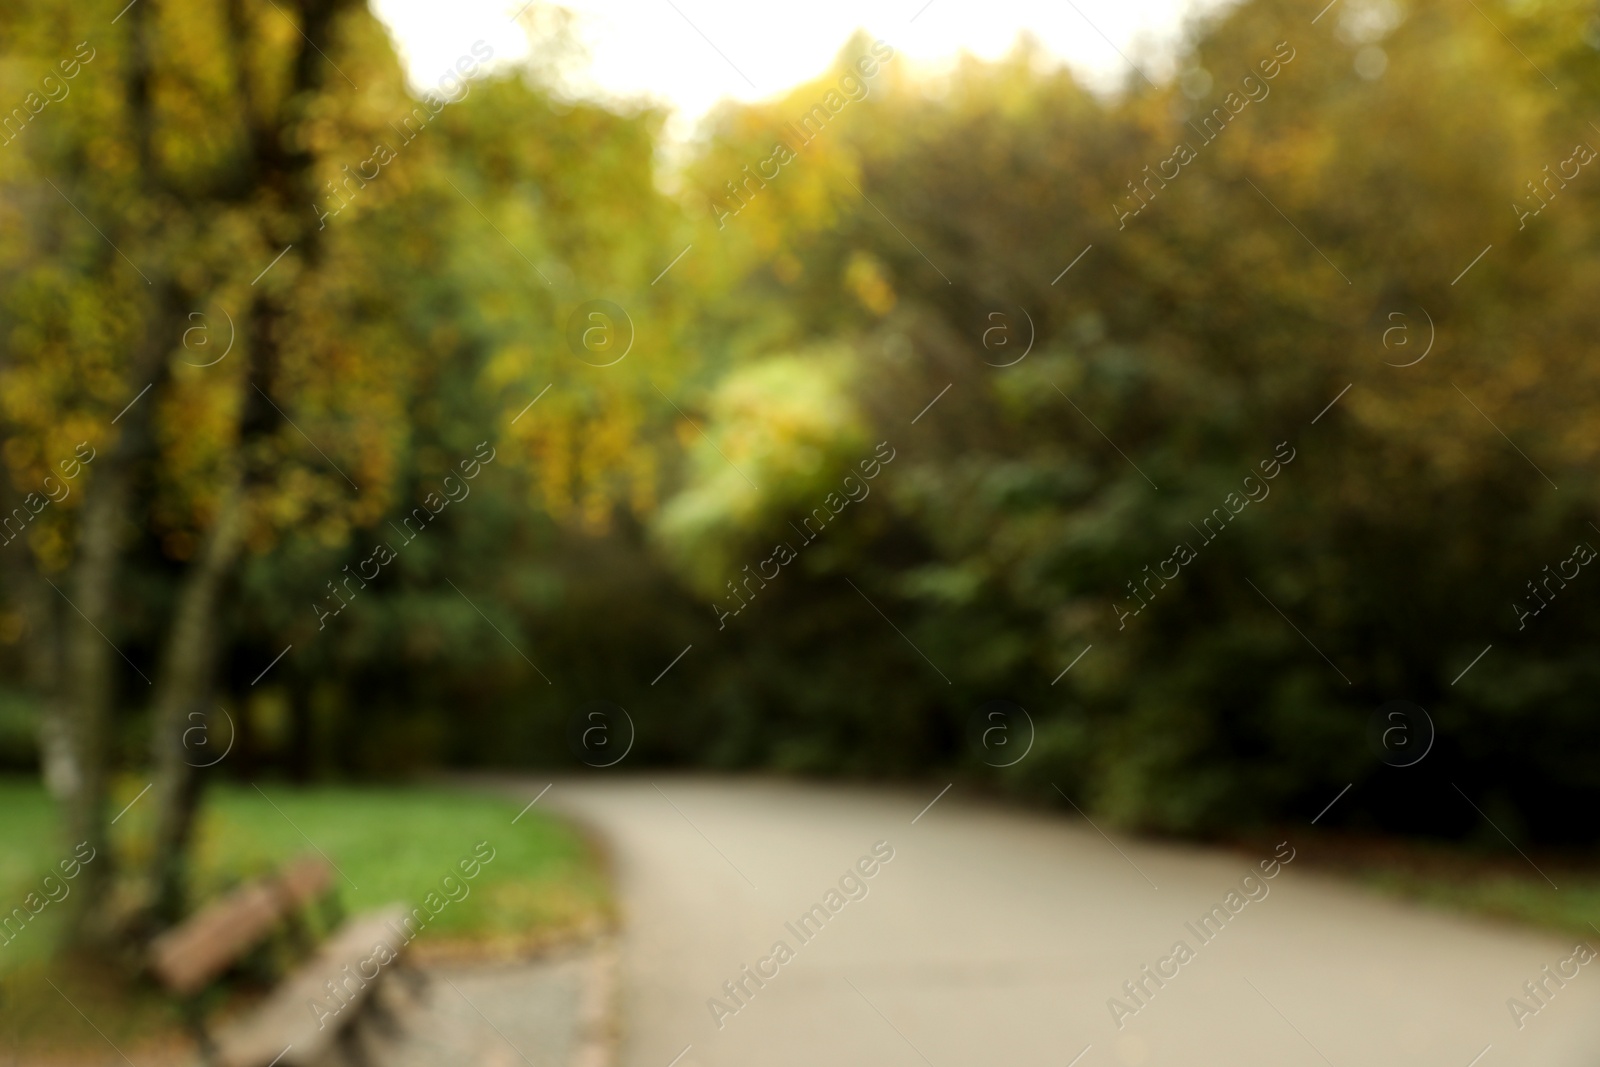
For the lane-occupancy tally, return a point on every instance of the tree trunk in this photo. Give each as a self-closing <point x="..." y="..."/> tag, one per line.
<point x="90" y="658"/>
<point x="88" y="693"/>
<point x="193" y="642"/>
<point x="181" y="713"/>
<point x="58" y="764"/>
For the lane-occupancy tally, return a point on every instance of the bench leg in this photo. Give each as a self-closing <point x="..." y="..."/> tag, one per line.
<point x="415" y="979"/>
<point x="352" y="1049"/>
<point x="195" y="1021"/>
<point x="378" y="1020"/>
<point x="382" y="1012"/>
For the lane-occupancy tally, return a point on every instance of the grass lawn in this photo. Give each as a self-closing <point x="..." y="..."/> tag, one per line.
<point x="1501" y="884"/>
<point x="394" y="844"/>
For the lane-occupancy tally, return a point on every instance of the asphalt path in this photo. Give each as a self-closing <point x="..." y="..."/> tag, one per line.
<point x="1003" y="936"/>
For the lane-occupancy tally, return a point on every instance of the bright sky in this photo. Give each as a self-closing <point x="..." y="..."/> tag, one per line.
<point x="691" y="53"/>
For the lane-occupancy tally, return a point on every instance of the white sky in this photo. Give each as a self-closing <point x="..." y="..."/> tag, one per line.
<point x="668" y="49"/>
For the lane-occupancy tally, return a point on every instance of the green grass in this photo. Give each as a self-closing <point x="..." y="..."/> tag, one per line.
<point x="1494" y="885"/>
<point x="395" y="845"/>
<point x="543" y="884"/>
<point x="30" y="849"/>
<point x="1527" y="900"/>
<point x="1467" y="878"/>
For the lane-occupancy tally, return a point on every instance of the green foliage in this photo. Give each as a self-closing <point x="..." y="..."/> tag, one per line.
<point x="1201" y="335"/>
<point x="784" y="427"/>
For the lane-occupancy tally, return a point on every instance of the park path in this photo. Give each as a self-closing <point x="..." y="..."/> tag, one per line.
<point x="997" y="936"/>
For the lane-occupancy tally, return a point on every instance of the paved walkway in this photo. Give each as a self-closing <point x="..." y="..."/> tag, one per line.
<point x="542" y="1013"/>
<point x="997" y="937"/>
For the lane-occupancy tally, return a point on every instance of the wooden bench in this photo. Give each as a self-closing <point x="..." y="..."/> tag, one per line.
<point x="342" y="974"/>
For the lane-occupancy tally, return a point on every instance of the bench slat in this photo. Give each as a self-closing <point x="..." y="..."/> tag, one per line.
<point x="186" y="957"/>
<point x="193" y="953"/>
<point x="286" y="1024"/>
